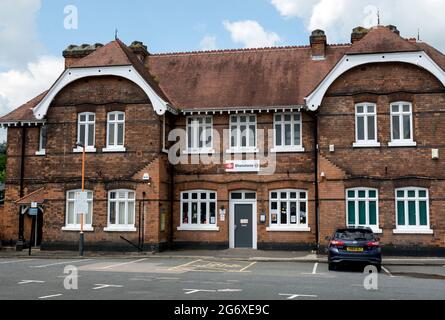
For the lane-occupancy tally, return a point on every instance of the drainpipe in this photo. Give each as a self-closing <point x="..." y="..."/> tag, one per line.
<point x="314" y="116"/>
<point x="21" y="239"/>
<point x="172" y="203"/>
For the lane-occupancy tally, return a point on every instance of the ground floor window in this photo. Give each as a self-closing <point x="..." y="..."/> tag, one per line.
<point x="288" y="209"/>
<point x="362" y="208"/>
<point x="72" y="221"/>
<point x="412" y="207"/>
<point x="121" y="210"/>
<point x="198" y="209"/>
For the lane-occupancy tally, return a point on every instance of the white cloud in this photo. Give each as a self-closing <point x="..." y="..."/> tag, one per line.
<point x="19" y="86"/>
<point x="18" y="32"/>
<point x="251" y="34"/>
<point x="339" y="17"/>
<point x="208" y="43"/>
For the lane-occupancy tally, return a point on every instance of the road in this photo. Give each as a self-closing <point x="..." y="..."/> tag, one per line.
<point x="201" y="279"/>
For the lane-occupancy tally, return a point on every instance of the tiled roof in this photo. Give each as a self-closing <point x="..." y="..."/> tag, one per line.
<point x="381" y="39"/>
<point x="265" y="77"/>
<point x="24" y="113"/>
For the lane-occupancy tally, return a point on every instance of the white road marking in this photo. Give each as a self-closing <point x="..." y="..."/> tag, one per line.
<point x="52" y="296"/>
<point x="314" y="271"/>
<point x="192" y="291"/>
<point x="122" y="264"/>
<point x="294" y="296"/>
<point x="59" y="263"/>
<point x="103" y="286"/>
<point x="245" y="268"/>
<point x="30" y="281"/>
<point x="185" y="265"/>
<point x="387" y="272"/>
<point x="17" y="261"/>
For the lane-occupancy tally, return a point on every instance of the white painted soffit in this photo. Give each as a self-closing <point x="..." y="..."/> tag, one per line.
<point x="418" y="58"/>
<point x="128" y="72"/>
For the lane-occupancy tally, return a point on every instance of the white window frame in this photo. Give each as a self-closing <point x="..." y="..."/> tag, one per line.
<point x="198" y="226"/>
<point x="366" y="143"/>
<point x="237" y="147"/>
<point x="86" y="123"/>
<point x="42" y="146"/>
<point x="126" y="227"/>
<point x="288" y="227"/>
<point x="196" y="139"/>
<point x="88" y="225"/>
<point x="415" y="229"/>
<point x="367" y="199"/>
<point x="402" y="142"/>
<point x="292" y="147"/>
<point x="115" y="147"/>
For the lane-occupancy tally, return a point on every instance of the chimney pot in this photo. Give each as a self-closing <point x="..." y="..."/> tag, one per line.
<point x="393" y="29"/>
<point x="318" y="42"/>
<point x="140" y="50"/>
<point x="73" y="52"/>
<point x="358" y="34"/>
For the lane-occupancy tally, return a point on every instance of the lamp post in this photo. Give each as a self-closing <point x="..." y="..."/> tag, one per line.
<point x="81" y="235"/>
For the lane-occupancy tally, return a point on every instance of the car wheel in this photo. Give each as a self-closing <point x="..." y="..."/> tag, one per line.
<point x="379" y="268"/>
<point x="332" y="267"/>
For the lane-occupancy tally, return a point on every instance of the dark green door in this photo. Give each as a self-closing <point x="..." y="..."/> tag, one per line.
<point x="243" y="226"/>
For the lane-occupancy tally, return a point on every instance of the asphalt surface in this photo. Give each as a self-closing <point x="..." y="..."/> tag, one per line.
<point x="210" y="279"/>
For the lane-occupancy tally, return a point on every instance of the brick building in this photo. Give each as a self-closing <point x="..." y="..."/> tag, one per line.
<point x="268" y="148"/>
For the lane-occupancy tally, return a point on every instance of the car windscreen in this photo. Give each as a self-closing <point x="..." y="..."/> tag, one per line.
<point x="354" y="235"/>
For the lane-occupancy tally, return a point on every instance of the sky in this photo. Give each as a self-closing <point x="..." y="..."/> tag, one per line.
<point x="33" y="33"/>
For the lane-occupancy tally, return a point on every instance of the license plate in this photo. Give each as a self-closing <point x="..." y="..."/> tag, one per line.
<point x="354" y="249"/>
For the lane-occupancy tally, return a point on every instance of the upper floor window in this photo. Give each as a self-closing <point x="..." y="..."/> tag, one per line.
<point x="362" y="208"/>
<point x="199" y="134"/>
<point x="412" y="207"/>
<point x="287" y="132"/>
<point x="288" y="210"/>
<point x="243" y="134"/>
<point x="42" y="141"/>
<point x="72" y="221"/>
<point x="366" y="125"/>
<point x="402" y="124"/>
<point x="86" y="128"/>
<point x="121" y="210"/>
<point x="115" y="131"/>
<point x="198" y="210"/>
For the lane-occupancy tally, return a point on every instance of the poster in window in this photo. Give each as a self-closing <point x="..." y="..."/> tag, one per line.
<point x="274" y="218"/>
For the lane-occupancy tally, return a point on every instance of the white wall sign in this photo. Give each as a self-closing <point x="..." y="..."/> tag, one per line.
<point x="243" y="166"/>
<point x="81" y="203"/>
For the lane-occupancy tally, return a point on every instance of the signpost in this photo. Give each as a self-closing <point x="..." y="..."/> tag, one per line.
<point x="33" y="211"/>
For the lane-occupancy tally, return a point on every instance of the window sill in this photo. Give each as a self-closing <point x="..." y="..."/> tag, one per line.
<point x="366" y="145"/>
<point x="87" y="150"/>
<point x="77" y="229"/>
<point x="288" y="229"/>
<point x="40" y="153"/>
<point x="287" y="150"/>
<point x="110" y="150"/>
<point x="198" y="228"/>
<point x="241" y="151"/>
<point x="120" y="229"/>
<point x="199" y="151"/>
<point x="413" y="231"/>
<point x="402" y="144"/>
<point x="374" y="229"/>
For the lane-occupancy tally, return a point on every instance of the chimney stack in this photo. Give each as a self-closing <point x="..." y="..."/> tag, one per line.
<point x="358" y="34"/>
<point x="140" y="50"/>
<point x="74" y="52"/>
<point x="318" y="44"/>
<point x="393" y="29"/>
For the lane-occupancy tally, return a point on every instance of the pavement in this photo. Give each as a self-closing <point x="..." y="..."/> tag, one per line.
<point x="209" y="278"/>
<point x="229" y="254"/>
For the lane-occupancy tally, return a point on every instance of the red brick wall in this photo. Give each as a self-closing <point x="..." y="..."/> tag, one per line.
<point x="383" y="168"/>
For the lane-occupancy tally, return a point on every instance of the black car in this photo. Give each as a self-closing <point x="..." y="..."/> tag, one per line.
<point x="354" y="245"/>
